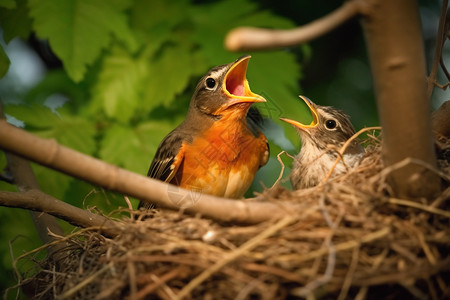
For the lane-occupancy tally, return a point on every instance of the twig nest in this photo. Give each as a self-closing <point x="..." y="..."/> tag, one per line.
<point x="344" y="239"/>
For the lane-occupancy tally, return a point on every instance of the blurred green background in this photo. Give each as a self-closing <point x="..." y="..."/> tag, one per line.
<point x="111" y="78"/>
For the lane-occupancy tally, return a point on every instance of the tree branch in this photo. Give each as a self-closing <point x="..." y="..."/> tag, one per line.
<point x="39" y="202"/>
<point x="23" y="177"/>
<point x="250" y="38"/>
<point x="395" y="47"/>
<point x="25" y="180"/>
<point x="49" y="153"/>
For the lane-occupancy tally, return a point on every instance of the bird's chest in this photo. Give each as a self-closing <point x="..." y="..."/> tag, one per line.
<point x="222" y="162"/>
<point x="311" y="167"/>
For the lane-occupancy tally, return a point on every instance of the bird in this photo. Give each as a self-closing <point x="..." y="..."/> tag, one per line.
<point x="321" y="141"/>
<point x="219" y="146"/>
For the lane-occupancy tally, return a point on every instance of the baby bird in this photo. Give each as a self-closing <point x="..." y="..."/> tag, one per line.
<point x="321" y="141"/>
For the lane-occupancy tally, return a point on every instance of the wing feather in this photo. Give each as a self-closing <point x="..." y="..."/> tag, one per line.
<point x="167" y="159"/>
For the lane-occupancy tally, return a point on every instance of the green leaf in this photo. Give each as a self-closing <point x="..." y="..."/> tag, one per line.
<point x="133" y="148"/>
<point x="120" y="84"/>
<point x="4" y="62"/>
<point x="212" y="25"/>
<point x="9" y="4"/>
<point x="15" y="22"/>
<point x="146" y="15"/>
<point x="36" y="117"/>
<point x="79" y="29"/>
<point x="169" y="74"/>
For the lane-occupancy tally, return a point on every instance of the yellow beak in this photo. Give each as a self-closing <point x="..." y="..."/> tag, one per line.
<point x="312" y="108"/>
<point x="235" y="84"/>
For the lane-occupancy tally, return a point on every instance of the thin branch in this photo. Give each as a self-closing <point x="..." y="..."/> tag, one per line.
<point x="423" y="207"/>
<point x="49" y="153"/>
<point x="441" y="36"/>
<point x="282" y="166"/>
<point x="71" y="292"/>
<point x="250" y="38"/>
<point x="347" y="245"/>
<point x="25" y="180"/>
<point x="36" y="200"/>
<point x="444" y="68"/>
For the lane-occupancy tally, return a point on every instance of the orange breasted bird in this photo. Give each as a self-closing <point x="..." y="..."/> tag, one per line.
<point x="219" y="147"/>
<point x="321" y="139"/>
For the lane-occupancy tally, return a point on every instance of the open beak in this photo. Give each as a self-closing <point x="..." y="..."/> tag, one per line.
<point x="235" y="84"/>
<point x="312" y="108"/>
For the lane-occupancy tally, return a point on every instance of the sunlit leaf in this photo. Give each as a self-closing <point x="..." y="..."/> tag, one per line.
<point x="36" y="117"/>
<point x="79" y="29"/>
<point x="169" y="75"/>
<point x="120" y="84"/>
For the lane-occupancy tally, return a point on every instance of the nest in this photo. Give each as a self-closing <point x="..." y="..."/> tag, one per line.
<point x="345" y="239"/>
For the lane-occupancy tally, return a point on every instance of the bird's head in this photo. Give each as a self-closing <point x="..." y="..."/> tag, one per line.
<point x="224" y="90"/>
<point x="329" y="126"/>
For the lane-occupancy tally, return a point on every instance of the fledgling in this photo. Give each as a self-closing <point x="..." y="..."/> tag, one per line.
<point x="321" y="141"/>
<point x="219" y="147"/>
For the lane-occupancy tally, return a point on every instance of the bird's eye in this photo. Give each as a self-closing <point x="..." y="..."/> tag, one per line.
<point x="210" y="83"/>
<point x="330" y="124"/>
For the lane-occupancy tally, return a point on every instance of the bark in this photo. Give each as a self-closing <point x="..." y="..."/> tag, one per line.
<point x="395" y="47"/>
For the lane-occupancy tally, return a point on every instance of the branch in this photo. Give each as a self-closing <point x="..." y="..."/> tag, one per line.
<point x="21" y="174"/>
<point x="38" y="201"/>
<point x="49" y="153"/>
<point x="25" y="180"/>
<point x="250" y="38"/>
<point x="441" y="37"/>
<point x="395" y="46"/>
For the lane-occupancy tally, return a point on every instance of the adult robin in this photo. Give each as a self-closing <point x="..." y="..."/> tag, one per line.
<point x="219" y="147"/>
<point x="321" y="141"/>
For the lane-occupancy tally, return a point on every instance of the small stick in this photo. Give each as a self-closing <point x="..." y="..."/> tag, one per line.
<point x="438" y="51"/>
<point x="250" y="38"/>
<point x="247" y="246"/>
<point x="348" y="277"/>
<point x="417" y="205"/>
<point x="345" y="146"/>
<point x="282" y="165"/>
<point x="159" y="281"/>
<point x="339" y="247"/>
<point x="83" y="283"/>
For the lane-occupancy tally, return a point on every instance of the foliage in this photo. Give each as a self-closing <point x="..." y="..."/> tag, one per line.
<point x="128" y="73"/>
